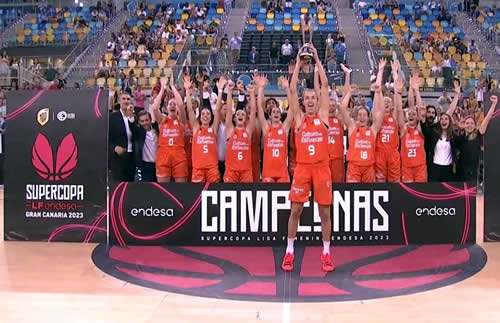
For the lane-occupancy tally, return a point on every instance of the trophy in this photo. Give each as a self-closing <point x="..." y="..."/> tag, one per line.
<point x="306" y="52"/>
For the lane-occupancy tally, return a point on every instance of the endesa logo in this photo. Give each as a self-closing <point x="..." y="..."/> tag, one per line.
<point x="151" y="212"/>
<point x="435" y="211"/>
<point x="60" y="167"/>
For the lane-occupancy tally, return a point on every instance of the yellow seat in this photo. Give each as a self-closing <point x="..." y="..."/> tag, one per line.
<point x="466" y="57"/>
<point x="27" y="32"/>
<point x="402" y="22"/>
<point x="426" y="72"/>
<point x="457" y="57"/>
<point x="184" y="16"/>
<point x="480" y="19"/>
<point x="404" y="29"/>
<point x="260" y="27"/>
<point x="383" y="41"/>
<point x="477" y="73"/>
<point x="35" y="39"/>
<point x="377" y="28"/>
<point x="111" y="82"/>
<point x="165" y="55"/>
<point x="50" y="38"/>
<point x="419" y="23"/>
<point x="466" y="74"/>
<point x="422" y="64"/>
<point x="428" y="56"/>
<point x="476" y="58"/>
<point x="367" y="22"/>
<point x="321" y="15"/>
<point x="373" y="16"/>
<point x="322" y="22"/>
<point x="430" y="82"/>
<point x="157" y="72"/>
<point x="396" y="12"/>
<point x="408" y="56"/>
<point x="270" y="15"/>
<point x="304" y="10"/>
<point x="381" y="16"/>
<point x="20" y="39"/>
<point x="296" y="27"/>
<point x="287" y="21"/>
<point x="396" y="29"/>
<point x="452" y="50"/>
<point x="252" y="21"/>
<point x="147" y="72"/>
<point x="90" y="82"/>
<point x="148" y="22"/>
<point x="435" y="23"/>
<point x="481" y="65"/>
<point x="220" y="11"/>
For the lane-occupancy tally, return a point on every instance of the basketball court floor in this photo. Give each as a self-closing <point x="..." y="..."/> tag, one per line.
<point x="70" y="282"/>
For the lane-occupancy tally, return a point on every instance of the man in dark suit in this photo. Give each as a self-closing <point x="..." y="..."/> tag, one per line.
<point x="121" y="158"/>
<point x="253" y="57"/>
<point x="145" y="135"/>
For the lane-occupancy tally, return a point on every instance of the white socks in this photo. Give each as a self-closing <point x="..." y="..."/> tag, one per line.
<point x="289" y="245"/>
<point x="290" y="242"/>
<point x="326" y="247"/>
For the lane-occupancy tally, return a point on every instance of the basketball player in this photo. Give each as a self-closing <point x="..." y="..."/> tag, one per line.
<point x="171" y="160"/>
<point x="239" y="136"/>
<point x="313" y="171"/>
<point x="336" y="135"/>
<point x="387" y="158"/>
<point x="413" y="156"/>
<point x="274" y="169"/>
<point x="205" y="128"/>
<point x="361" y="153"/>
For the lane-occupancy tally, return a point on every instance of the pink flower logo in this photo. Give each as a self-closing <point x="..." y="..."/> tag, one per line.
<point x="63" y="165"/>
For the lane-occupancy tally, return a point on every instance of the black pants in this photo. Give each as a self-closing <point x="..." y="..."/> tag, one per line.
<point x="122" y="167"/>
<point x="222" y="169"/>
<point x="148" y="172"/>
<point x="438" y="173"/>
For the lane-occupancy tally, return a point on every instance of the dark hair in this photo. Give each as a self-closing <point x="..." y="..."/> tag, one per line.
<point x="143" y="113"/>
<point x="431" y="107"/>
<point x="449" y="130"/>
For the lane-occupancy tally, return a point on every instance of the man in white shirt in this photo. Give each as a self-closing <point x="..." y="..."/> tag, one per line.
<point x="286" y="52"/>
<point x="235" y="47"/>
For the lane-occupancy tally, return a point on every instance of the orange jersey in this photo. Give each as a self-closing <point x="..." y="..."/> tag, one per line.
<point x="238" y="151"/>
<point x="362" y="147"/>
<point x="275" y="151"/>
<point x="311" y="141"/>
<point x="204" y="148"/>
<point x="171" y="135"/>
<point x="388" y="138"/>
<point x="335" y="138"/>
<point x="412" y="150"/>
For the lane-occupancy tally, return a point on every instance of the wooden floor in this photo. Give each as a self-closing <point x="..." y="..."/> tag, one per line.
<point x="41" y="282"/>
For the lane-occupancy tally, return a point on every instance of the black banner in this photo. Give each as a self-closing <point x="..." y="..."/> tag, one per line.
<point x="257" y="214"/>
<point x="491" y="175"/>
<point x="55" y="183"/>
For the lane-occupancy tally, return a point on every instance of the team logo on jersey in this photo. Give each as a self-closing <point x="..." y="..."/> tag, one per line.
<point x="175" y="122"/>
<point x="317" y="122"/>
<point x="368" y="133"/>
<point x="391" y="119"/>
<point x="335" y="121"/>
<point x="415" y="132"/>
<point x="245" y="135"/>
<point x="209" y="130"/>
<point x="280" y="132"/>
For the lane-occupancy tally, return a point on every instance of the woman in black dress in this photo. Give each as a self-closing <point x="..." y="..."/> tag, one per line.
<point x="470" y="143"/>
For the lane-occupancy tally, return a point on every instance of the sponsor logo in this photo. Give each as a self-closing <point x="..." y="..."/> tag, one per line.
<point x="60" y="167"/>
<point x="62" y="116"/>
<point x="391" y="119"/>
<point x="317" y="122"/>
<point x="152" y="212"/>
<point x="43" y="116"/>
<point x="435" y="211"/>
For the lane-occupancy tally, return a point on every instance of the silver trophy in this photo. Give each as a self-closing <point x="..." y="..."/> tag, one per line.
<point x="306" y="52"/>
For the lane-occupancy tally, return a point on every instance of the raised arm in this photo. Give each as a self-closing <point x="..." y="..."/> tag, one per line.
<point x="178" y="100"/>
<point x="398" y="105"/>
<point x="347" y="76"/>
<point x="253" y="106"/>
<point x="217" y="117"/>
<point x="415" y="85"/>
<point x="294" y="97"/>
<point x="156" y="106"/>
<point x="454" y="102"/>
<point x="189" y="103"/>
<point x="287" y="124"/>
<point x="411" y="95"/>
<point x="229" y="112"/>
<point x="317" y="84"/>
<point x="378" y="100"/>
<point x="344" y="111"/>
<point x="324" y="100"/>
<point x="489" y="115"/>
<point x="261" y="82"/>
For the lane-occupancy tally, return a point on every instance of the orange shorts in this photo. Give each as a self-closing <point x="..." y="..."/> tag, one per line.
<point x="316" y="176"/>
<point x="387" y="166"/>
<point x="171" y="164"/>
<point x="238" y="176"/>
<point x="338" y="170"/>
<point x="206" y="175"/>
<point x="360" y="174"/>
<point x="275" y="177"/>
<point x="416" y="174"/>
